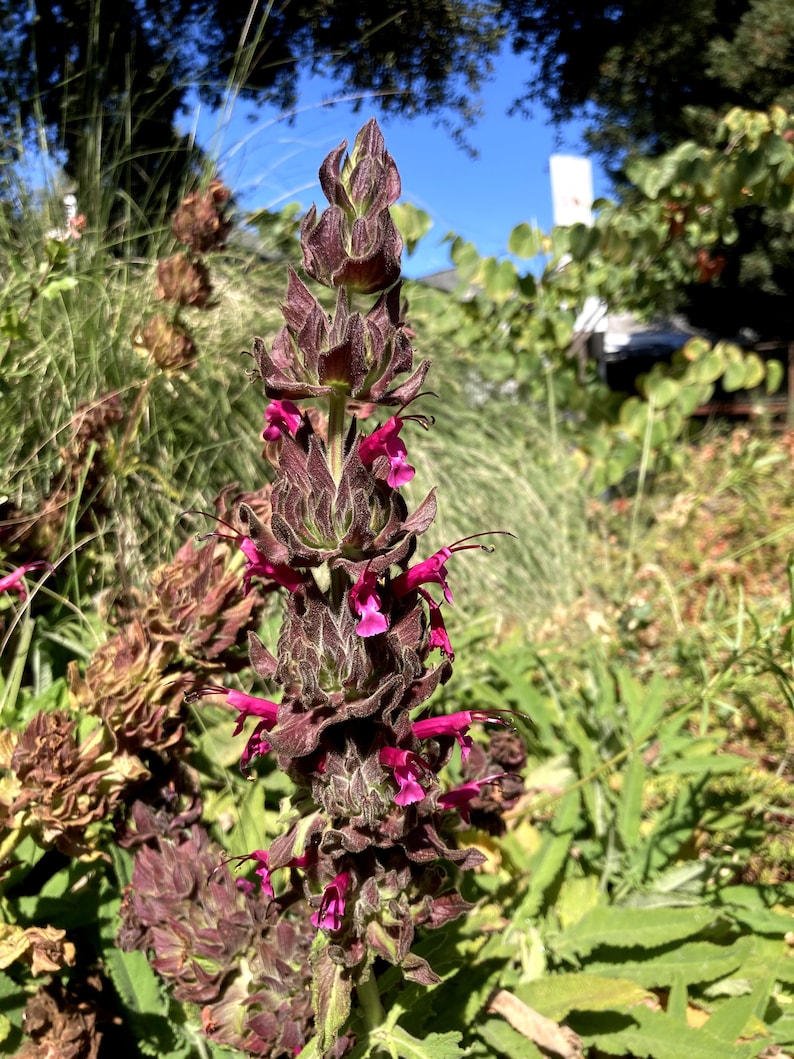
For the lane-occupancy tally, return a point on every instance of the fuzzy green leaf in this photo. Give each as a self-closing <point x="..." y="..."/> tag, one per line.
<point x="630" y="927"/>
<point x="557" y="995"/>
<point x="433" y="1046"/>
<point x="655" y="1035"/>
<point x="332" y="989"/>
<point x="503" y="1040"/>
<point x="146" y="1010"/>
<point x="697" y="961"/>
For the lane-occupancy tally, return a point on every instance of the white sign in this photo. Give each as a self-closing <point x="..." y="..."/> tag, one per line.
<point x="571" y="189"/>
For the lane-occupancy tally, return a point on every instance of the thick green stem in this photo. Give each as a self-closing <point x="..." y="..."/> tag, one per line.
<point x="369" y="1001"/>
<point x="337" y="428"/>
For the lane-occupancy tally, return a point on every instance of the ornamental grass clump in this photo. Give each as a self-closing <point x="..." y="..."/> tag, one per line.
<point x="368" y="838"/>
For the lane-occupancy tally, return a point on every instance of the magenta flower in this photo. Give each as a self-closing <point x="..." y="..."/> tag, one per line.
<point x="258" y="565"/>
<point x="434" y="569"/>
<point x="16" y="579"/>
<point x="366" y="603"/>
<point x="407" y="767"/>
<point x="456" y="724"/>
<point x="438" y="630"/>
<point x="385" y="442"/>
<point x="263" y="872"/>
<point x="282" y="417"/>
<point x="251" y="706"/>
<point x="332" y="906"/>
<point x="248" y="706"/>
<point x="459" y="797"/>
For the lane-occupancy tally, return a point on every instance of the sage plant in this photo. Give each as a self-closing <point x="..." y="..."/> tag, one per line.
<point x="369" y="834"/>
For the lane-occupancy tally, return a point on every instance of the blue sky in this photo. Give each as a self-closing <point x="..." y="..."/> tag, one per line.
<point x="269" y="162"/>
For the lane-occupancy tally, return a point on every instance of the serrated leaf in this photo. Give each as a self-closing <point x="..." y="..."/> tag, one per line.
<point x="434" y="1046"/>
<point x="704" y="765"/>
<point x="732" y="1018"/>
<point x="629" y="927"/>
<point x="136" y="982"/>
<point x="146" y="1010"/>
<point x="655" y="1035"/>
<point x="697" y="961"/>
<point x="557" y="995"/>
<point x="503" y="1040"/>
<point x="331" y="992"/>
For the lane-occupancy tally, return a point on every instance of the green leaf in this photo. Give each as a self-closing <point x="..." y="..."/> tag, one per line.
<point x="413" y="224"/>
<point x="693" y="962"/>
<point x="584" y="240"/>
<point x="547" y="863"/>
<point x="57" y="285"/>
<point x="499" y="278"/>
<point x="630" y="807"/>
<point x="656" y="1035"/>
<point x="331" y="988"/>
<point x="526" y="241"/>
<point x="557" y="995"/>
<point x="731" y="1017"/>
<point x="704" y="764"/>
<point x="503" y="1040"/>
<point x="145" y="1008"/>
<point x="733" y="378"/>
<point x="774" y="376"/>
<point x="660" y="387"/>
<point x="629" y="927"/>
<point x="398" y="1041"/>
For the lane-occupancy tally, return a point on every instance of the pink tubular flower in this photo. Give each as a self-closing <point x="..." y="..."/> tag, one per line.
<point x="459" y="797"/>
<point x="407" y="768"/>
<point x="456" y="724"/>
<point x="248" y="706"/>
<point x="16" y="579"/>
<point x="282" y="417"/>
<point x="434" y="569"/>
<point x="438" y="630"/>
<point x="385" y="442"/>
<point x="332" y="906"/>
<point x="367" y="604"/>
<point x="258" y="565"/>
<point x="263" y="872"/>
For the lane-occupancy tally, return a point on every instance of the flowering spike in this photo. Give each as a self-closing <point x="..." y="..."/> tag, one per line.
<point x="364" y="823"/>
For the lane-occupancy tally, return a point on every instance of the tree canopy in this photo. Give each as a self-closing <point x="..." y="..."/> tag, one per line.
<point x="90" y="72"/>
<point x="650" y="75"/>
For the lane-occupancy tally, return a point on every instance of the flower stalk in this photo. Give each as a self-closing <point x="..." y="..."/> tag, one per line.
<point x="363" y="644"/>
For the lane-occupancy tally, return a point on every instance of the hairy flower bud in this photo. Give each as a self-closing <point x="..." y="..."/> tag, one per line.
<point x="355" y="242"/>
